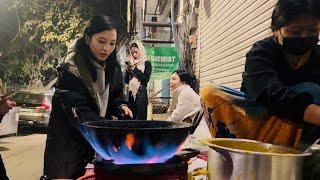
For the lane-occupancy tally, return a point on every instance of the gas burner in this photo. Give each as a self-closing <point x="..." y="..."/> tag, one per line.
<point x="174" y="169"/>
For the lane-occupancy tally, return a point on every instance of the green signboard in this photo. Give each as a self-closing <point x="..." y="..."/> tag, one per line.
<point x="164" y="61"/>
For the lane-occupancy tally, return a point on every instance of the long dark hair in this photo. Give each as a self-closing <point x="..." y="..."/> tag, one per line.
<point x="96" y="25"/>
<point x="286" y="10"/>
<point x="186" y="77"/>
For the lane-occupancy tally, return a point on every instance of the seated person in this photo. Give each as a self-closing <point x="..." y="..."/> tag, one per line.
<point x="185" y="102"/>
<point x="280" y="97"/>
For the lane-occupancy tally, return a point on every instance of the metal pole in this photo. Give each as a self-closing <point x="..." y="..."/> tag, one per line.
<point x="172" y="21"/>
<point x="142" y="33"/>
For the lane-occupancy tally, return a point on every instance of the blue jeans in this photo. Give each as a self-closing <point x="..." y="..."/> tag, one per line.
<point x="310" y="132"/>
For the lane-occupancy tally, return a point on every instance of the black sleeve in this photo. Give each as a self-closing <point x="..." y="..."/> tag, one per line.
<point x="127" y="77"/>
<point x="72" y="92"/>
<point x="143" y="76"/>
<point x="261" y="82"/>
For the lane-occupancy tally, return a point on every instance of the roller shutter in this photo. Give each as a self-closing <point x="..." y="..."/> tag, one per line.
<point x="227" y="29"/>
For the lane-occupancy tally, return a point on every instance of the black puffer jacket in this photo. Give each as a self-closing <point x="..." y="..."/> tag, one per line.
<point x="67" y="152"/>
<point x="268" y="77"/>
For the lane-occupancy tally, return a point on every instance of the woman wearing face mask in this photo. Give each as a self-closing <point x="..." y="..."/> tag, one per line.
<point x="137" y="76"/>
<point x="185" y="102"/>
<point x="90" y="80"/>
<point x="280" y="97"/>
<point x="283" y="72"/>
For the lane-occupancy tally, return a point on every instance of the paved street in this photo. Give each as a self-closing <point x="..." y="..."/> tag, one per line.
<point x="23" y="156"/>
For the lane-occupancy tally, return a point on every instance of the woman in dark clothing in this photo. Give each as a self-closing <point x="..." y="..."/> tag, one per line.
<point x="280" y="97"/>
<point x="137" y="76"/>
<point x="282" y="72"/>
<point x="89" y="79"/>
<point x="5" y="105"/>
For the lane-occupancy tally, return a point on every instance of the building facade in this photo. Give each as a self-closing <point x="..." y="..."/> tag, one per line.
<point x="226" y="32"/>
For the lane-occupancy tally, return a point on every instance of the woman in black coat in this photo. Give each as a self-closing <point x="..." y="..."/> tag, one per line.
<point x="6" y="103"/>
<point x="137" y="76"/>
<point x="282" y="71"/>
<point x="89" y="79"/>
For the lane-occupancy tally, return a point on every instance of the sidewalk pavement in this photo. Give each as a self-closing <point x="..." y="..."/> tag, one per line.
<point x="23" y="156"/>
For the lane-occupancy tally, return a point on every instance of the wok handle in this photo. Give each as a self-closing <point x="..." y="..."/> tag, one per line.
<point x="77" y="115"/>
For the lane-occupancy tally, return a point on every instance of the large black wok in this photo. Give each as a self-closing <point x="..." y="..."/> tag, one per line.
<point x="136" y="142"/>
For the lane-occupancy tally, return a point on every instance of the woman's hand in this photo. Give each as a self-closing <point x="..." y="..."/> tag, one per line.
<point x="126" y="111"/>
<point x="312" y="114"/>
<point x="130" y="65"/>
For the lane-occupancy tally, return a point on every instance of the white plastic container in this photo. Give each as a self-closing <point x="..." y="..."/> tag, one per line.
<point x="9" y="123"/>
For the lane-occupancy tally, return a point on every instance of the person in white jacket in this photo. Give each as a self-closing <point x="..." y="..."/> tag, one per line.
<point x="185" y="102"/>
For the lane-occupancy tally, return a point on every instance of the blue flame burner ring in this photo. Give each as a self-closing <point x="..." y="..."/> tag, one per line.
<point x="135" y="142"/>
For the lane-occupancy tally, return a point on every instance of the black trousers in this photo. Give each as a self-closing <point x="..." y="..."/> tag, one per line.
<point x="139" y="106"/>
<point x="3" y="174"/>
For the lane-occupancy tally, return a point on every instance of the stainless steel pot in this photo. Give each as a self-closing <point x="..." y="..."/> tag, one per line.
<point x="241" y="159"/>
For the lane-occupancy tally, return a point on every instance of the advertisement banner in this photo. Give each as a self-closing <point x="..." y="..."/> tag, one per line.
<point x="164" y="61"/>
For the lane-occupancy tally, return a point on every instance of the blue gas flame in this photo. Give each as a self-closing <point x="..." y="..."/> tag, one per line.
<point x="122" y="154"/>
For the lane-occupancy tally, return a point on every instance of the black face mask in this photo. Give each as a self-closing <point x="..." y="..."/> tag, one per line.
<point x="299" y="46"/>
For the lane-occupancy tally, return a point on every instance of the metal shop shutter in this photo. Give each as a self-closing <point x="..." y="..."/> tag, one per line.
<point x="227" y="30"/>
